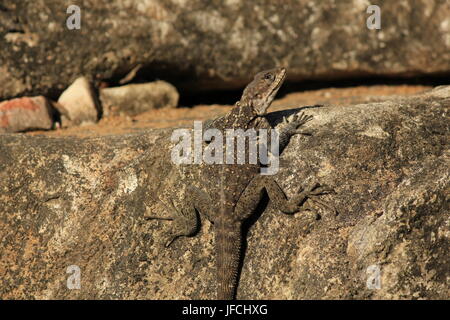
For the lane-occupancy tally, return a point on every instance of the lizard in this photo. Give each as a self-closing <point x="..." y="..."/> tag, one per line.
<point x="240" y="187"/>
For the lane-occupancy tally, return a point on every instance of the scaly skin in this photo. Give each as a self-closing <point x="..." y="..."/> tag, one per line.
<point x="228" y="194"/>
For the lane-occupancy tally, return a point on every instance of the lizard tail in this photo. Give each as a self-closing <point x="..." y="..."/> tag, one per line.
<point x="228" y="249"/>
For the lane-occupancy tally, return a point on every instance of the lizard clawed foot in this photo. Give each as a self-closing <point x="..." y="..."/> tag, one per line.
<point x="297" y="119"/>
<point x="317" y="190"/>
<point x="169" y="207"/>
<point x="293" y="123"/>
<point x="184" y="222"/>
<point x="169" y="239"/>
<point x="181" y="228"/>
<point x="312" y="192"/>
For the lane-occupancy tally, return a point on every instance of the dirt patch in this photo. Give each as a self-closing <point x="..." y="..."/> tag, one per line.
<point x="178" y="117"/>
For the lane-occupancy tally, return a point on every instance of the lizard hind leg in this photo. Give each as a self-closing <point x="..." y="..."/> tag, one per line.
<point x="293" y="205"/>
<point x="185" y="222"/>
<point x="312" y="192"/>
<point x="185" y="219"/>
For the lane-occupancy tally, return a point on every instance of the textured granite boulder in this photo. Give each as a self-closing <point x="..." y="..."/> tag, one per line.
<point x="202" y="45"/>
<point x="68" y="202"/>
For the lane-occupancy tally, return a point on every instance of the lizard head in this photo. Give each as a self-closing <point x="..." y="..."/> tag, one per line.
<point x="262" y="90"/>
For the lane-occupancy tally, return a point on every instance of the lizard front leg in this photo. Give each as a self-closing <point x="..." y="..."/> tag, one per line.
<point x="290" y="126"/>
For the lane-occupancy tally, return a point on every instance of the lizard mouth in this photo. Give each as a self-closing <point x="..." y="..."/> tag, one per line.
<point x="281" y="75"/>
<point x="274" y="87"/>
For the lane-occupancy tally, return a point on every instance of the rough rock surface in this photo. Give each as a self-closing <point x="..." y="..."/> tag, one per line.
<point x="133" y="99"/>
<point x="70" y="201"/>
<point x="78" y="104"/>
<point x="28" y="113"/>
<point x="206" y="44"/>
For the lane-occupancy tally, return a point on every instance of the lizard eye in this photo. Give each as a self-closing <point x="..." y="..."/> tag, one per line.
<point x="268" y="76"/>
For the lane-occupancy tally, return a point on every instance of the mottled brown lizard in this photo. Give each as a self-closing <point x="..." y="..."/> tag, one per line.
<point x="228" y="194"/>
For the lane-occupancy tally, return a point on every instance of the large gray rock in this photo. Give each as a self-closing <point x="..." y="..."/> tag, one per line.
<point x="202" y="44"/>
<point x="62" y="205"/>
<point x="133" y="99"/>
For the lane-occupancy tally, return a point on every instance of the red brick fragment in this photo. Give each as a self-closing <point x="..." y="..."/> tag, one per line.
<point x="24" y="114"/>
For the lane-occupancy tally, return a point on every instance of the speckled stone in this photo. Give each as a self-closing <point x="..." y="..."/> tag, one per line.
<point x="203" y="45"/>
<point x="84" y="202"/>
<point x="133" y="99"/>
<point x="78" y="104"/>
